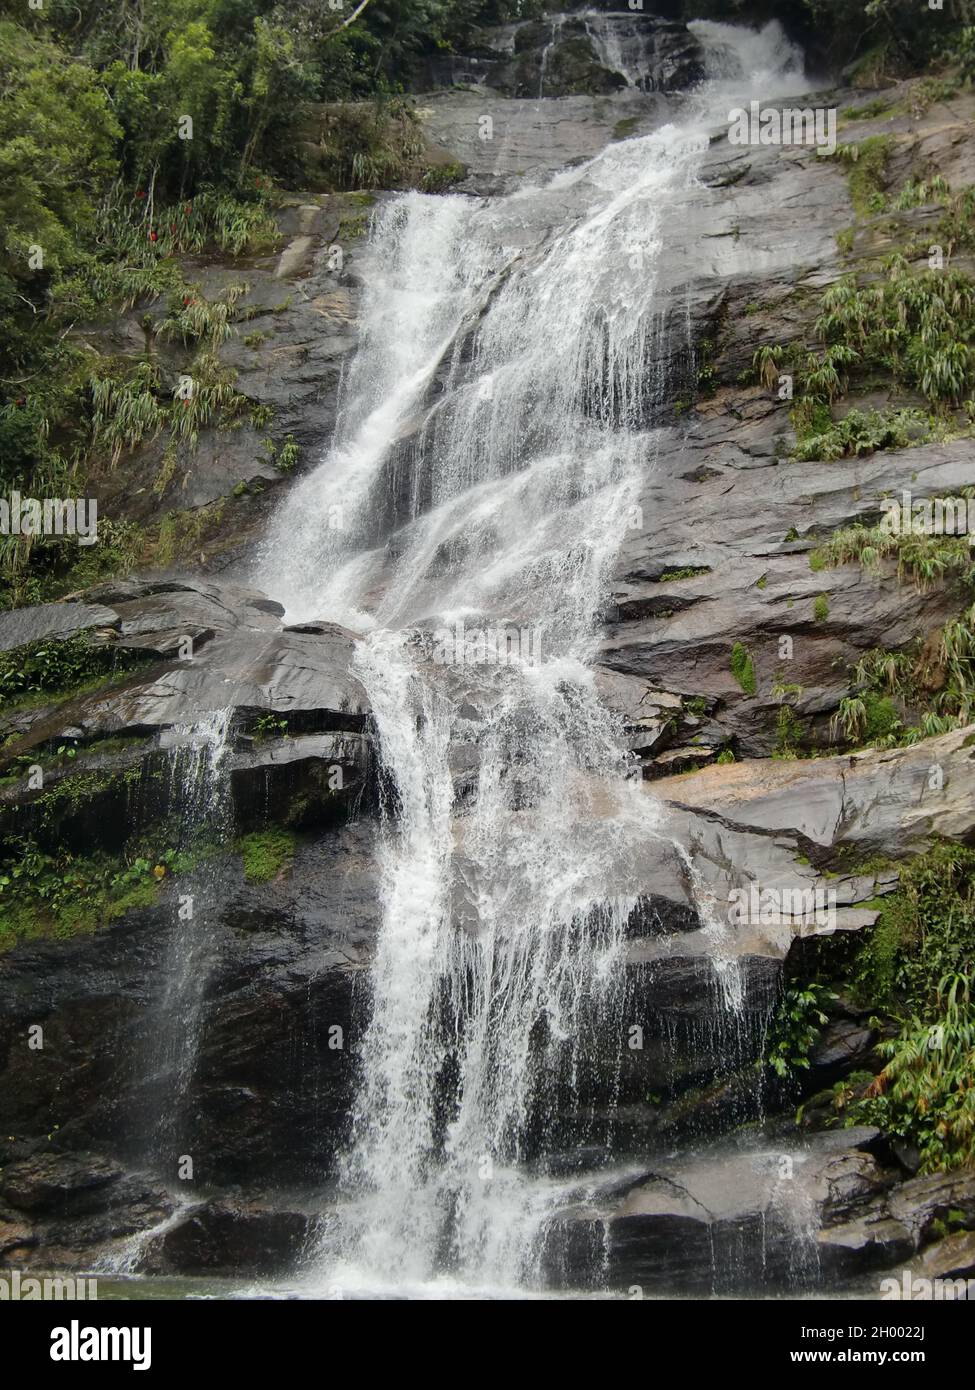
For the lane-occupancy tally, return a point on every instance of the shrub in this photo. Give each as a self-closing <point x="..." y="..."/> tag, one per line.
<point x="925" y="1093"/>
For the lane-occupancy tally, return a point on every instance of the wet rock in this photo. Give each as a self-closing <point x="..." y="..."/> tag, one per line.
<point x="223" y="648"/>
<point x="268" y="1089"/>
<point x="295" y="327"/>
<point x="233" y="1237"/>
<point x="843" y="1046"/>
<point x="728" y="1218"/>
<point x="18" y="626"/>
<point x="16" y="1237"/>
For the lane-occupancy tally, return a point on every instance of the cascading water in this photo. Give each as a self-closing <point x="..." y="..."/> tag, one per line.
<point x="202" y="794"/>
<point x="495" y="429"/>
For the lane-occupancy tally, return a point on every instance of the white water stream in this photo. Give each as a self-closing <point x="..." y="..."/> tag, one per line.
<point x="489" y="453"/>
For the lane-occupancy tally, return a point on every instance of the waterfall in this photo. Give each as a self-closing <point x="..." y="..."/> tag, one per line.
<point x="554" y="39"/>
<point x="494" y="433"/>
<point x="621" y="43"/>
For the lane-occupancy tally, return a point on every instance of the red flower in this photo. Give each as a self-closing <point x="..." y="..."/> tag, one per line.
<point x="153" y="236"/>
<point x="172" y="227"/>
<point x="140" y="194"/>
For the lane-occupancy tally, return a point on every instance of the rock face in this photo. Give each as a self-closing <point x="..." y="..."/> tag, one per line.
<point x="736" y="1219"/>
<point x="91" y="1114"/>
<point x="293" y="329"/>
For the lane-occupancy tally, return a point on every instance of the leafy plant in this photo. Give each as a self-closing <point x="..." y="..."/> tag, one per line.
<point x="794" y="1028"/>
<point x="926" y="1093"/>
<point x="58" y="666"/>
<point x="743" y="668"/>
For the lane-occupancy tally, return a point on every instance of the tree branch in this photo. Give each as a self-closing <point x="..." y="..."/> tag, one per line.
<point x="351" y="19"/>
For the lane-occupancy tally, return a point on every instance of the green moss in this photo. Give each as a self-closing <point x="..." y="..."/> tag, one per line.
<point x="925" y="929"/>
<point x="866" y="172"/>
<point x="353" y="227"/>
<point x="743" y="669"/>
<point x="437" y="178"/>
<point x="265" y="853"/>
<point x="882" y="716"/>
<point x="687" y="572"/>
<point x="821" y="608"/>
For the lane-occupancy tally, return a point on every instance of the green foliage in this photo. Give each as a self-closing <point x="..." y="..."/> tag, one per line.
<point x="866" y="171"/>
<point x="845" y="240"/>
<point x="917" y="192"/>
<point x="284" y="456"/>
<point x="60" y="894"/>
<point x="57" y="667"/>
<point x="58" y="140"/>
<point x="821" y="608"/>
<point x="920" y="557"/>
<point x="916" y="325"/>
<point x="925" y="1093"/>
<point x="869" y="110"/>
<point x="794" y="1029"/>
<point x="858" y="433"/>
<point x="867" y="718"/>
<point x="269" y="726"/>
<point x="924" y="931"/>
<point x="195" y="319"/>
<point x="437" y="178"/>
<point x="789" y="734"/>
<point x="371" y="146"/>
<point x="766" y="361"/>
<point x="743" y="669"/>
<point x="684" y="572"/>
<point x="125" y="409"/>
<point x="265" y="853"/>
